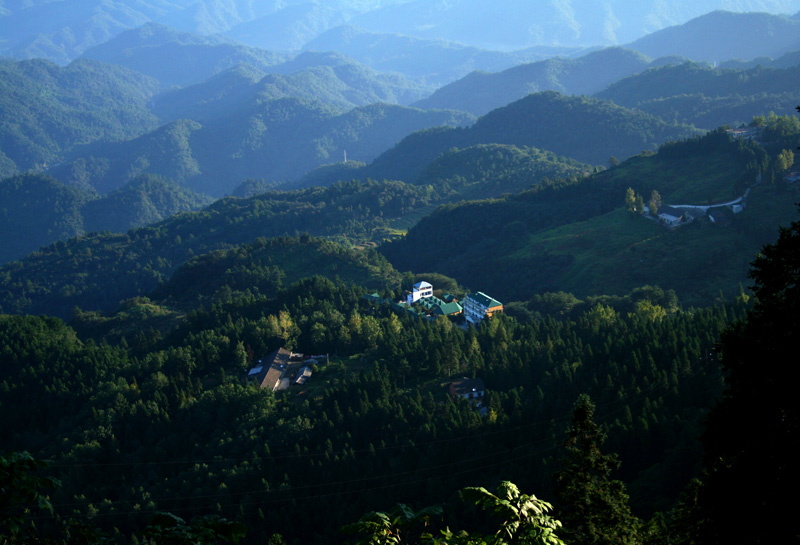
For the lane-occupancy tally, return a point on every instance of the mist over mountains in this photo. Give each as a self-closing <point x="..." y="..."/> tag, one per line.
<point x="60" y="30"/>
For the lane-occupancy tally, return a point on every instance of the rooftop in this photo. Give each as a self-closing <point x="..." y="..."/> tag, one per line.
<point x="484" y="300"/>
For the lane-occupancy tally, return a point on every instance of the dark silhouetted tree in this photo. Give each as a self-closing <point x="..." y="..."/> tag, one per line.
<point x="594" y="508"/>
<point x="752" y="464"/>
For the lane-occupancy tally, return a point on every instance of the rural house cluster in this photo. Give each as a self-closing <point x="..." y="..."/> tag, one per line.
<point x="421" y="302"/>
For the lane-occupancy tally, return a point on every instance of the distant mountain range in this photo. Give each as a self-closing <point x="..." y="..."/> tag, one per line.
<point x="516" y="24"/>
<point x="722" y="35"/>
<point x="275" y="139"/>
<point x="481" y="92"/>
<point x="438" y="62"/>
<point x="708" y="97"/>
<point x="179" y="58"/>
<point x="61" y="30"/>
<point x="73" y="120"/>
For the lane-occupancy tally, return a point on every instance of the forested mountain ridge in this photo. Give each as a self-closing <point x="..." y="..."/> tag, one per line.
<point x="37" y="210"/>
<point x="179" y="58"/>
<point x="435" y="61"/>
<point x="708" y="97"/>
<point x="701" y="39"/>
<point x="508" y="230"/>
<point x="479" y="92"/>
<point x="275" y="140"/>
<point x="481" y="171"/>
<point x="561" y="235"/>
<point x="329" y="78"/>
<point x="97" y="271"/>
<point x="582" y="128"/>
<point x="46" y="110"/>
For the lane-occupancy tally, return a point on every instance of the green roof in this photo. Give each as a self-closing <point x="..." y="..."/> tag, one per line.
<point x="448" y="308"/>
<point x="483" y="299"/>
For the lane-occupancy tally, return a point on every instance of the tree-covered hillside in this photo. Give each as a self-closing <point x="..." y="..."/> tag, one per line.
<point x="97" y="271"/>
<point x="38" y="210"/>
<point x="329" y="78"/>
<point x="756" y="35"/>
<point x="164" y="420"/>
<point x="275" y="140"/>
<point x="708" y="97"/>
<point x="46" y="110"/>
<point x="577" y="236"/>
<point x="177" y="58"/>
<point x="481" y="92"/>
<point x="582" y="128"/>
<point x="475" y="172"/>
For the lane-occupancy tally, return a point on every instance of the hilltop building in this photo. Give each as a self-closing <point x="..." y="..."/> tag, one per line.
<point x="422" y="290"/>
<point x="478" y="306"/>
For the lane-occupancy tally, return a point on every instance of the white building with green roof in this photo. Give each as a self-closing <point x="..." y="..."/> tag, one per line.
<point x="421" y="290"/>
<point x="478" y="306"/>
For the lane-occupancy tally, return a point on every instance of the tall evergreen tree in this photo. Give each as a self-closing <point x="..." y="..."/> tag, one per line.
<point x="753" y="470"/>
<point x="594" y="507"/>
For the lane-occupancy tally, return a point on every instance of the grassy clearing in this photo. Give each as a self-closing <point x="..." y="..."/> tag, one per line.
<point x="617" y="252"/>
<point x="695" y="180"/>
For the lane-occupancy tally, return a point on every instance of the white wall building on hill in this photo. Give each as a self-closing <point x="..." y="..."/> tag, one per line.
<point x="421" y="291"/>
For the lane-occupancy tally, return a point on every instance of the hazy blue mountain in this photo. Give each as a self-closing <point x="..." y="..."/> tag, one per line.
<point x="787" y="60"/>
<point x="289" y="27"/>
<point x="330" y="78"/>
<point x="438" y="61"/>
<point x="60" y="30"/>
<point x="723" y="35"/>
<point x="37" y="210"/>
<point x="515" y="24"/>
<point x="708" y="97"/>
<point x="274" y="140"/>
<point x="215" y="17"/>
<point x="46" y="109"/>
<point x="179" y="58"/>
<point x="481" y="92"/>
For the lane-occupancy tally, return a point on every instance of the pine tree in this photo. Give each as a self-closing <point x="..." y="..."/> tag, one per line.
<point x="594" y="508"/>
<point x="752" y="464"/>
